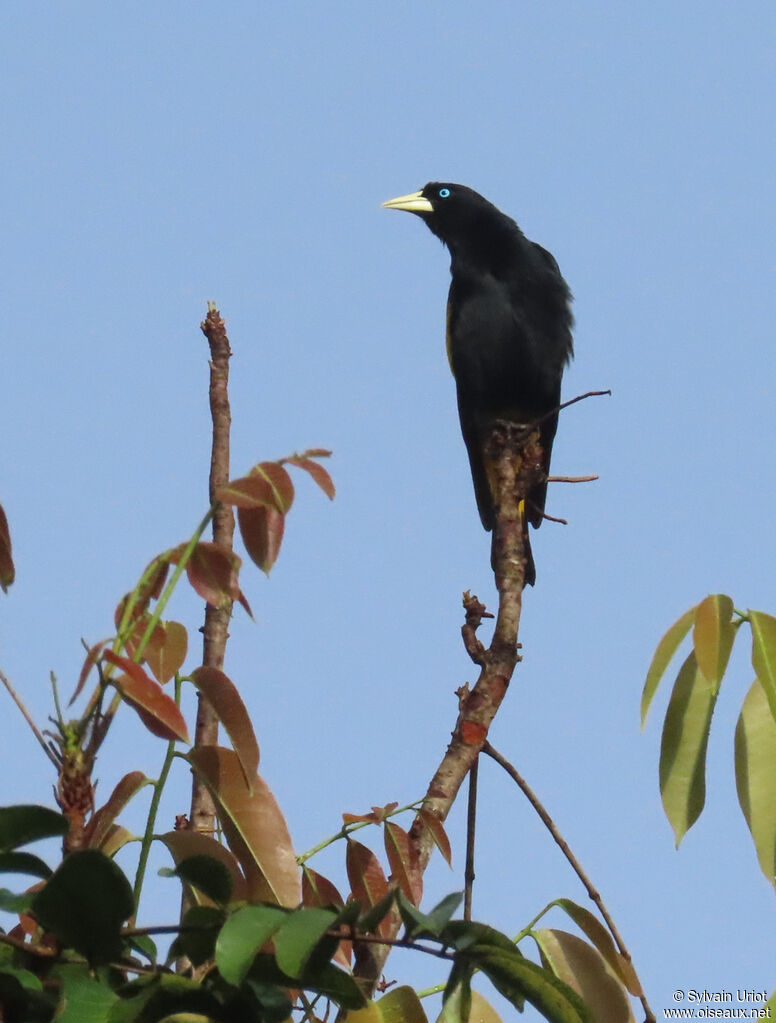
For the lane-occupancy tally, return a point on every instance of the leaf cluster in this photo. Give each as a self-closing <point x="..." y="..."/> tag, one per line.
<point x="715" y="624"/>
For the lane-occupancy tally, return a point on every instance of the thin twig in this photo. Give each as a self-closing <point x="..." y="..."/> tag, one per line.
<point x="471" y="829"/>
<point x="553" y="518"/>
<point x="566" y="404"/>
<point x="571" y="479"/>
<point x="576" y="866"/>
<point x="28" y="718"/>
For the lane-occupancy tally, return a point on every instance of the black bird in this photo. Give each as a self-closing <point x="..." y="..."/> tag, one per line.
<point x="508" y="331"/>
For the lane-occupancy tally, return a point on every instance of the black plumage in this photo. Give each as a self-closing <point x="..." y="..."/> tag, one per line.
<point x="508" y="331"/>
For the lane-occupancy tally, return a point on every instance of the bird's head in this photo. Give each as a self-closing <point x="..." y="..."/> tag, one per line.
<point x="457" y="215"/>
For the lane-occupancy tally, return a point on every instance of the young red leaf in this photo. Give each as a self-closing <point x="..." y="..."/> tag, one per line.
<point x="318" y="473"/>
<point x="92" y="657"/>
<point x="438" y="834"/>
<point x="318" y="891"/>
<point x="166" y="651"/>
<point x="403" y="860"/>
<point x="262" y="533"/>
<point x="224" y="698"/>
<point x="248" y="492"/>
<point x="316" y="453"/>
<point x="279" y="480"/>
<point x="138" y="630"/>
<point x="253" y="824"/>
<point x="157" y="711"/>
<point x="103" y="819"/>
<point x="212" y="571"/>
<point x="366" y="877"/>
<point x="7" y="571"/>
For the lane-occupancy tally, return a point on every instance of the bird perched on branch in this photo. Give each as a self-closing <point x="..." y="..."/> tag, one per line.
<point x="508" y="333"/>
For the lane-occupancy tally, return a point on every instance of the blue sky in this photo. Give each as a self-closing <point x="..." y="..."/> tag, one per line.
<point x="160" y="155"/>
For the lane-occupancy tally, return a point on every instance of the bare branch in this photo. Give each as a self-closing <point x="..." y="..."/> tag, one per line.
<point x="576" y="866"/>
<point x="216" y="629"/>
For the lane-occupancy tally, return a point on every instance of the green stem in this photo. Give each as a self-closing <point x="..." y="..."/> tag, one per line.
<point x="148" y="834"/>
<point x="529" y="926"/>
<point x="346" y="829"/>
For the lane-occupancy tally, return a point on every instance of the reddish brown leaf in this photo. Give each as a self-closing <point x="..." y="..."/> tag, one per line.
<point x="92" y="657"/>
<point x="359" y="818"/>
<point x="166" y="650"/>
<point x="224" y="698"/>
<point x="212" y="571"/>
<point x="104" y="818"/>
<point x="138" y="630"/>
<point x="318" y="473"/>
<point x="7" y="570"/>
<point x="253" y="824"/>
<point x="262" y="533"/>
<point x="149" y="590"/>
<point x="316" y="453"/>
<point x="403" y="860"/>
<point x="183" y="844"/>
<point x="377" y="815"/>
<point x="318" y="891"/>
<point x="249" y="492"/>
<point x="279" y="480"/>
<point x="243" y="600"/>
<point x="439" y="835"/>
<point x="157" y="711"/>
<point x="366" y="877"/>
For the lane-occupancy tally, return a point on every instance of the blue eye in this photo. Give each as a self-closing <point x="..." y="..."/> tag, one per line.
<point x="444" y="193"/>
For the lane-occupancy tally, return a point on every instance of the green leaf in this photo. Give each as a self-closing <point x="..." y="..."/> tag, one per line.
<point x="84" y="904"/>
<point x="755" y="754"/>
<point x="183" y="844"/>
<point x="665" y="651"/>
<point x="197" y="938"/>
<point x="464" y="934"/>
<point x="683" y="748"/>
<point x="457" y="1001"/>
<point x="764" y="653"/>
<point x="595" y="931"/>
<point x="326" y="980"/>
<point x="242" y="936"/>
<point x="12" y="903"/>
<point x="209" y="875"/>
<point x="20" y="1003"/>
<point x="584" y="969"/>
<point x="427" y="924"/>
<point x="480" y="1010"/>
<point x="713" y="636"/>
<point x="516" y="978"/>
<point x="84" y="998"/>
<point x="23" y="863"/>
<point x="302" y="940"/>
<point x="168" y="995"/>
<point x="374" y="919"/>
<point x="22" y="824"/>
